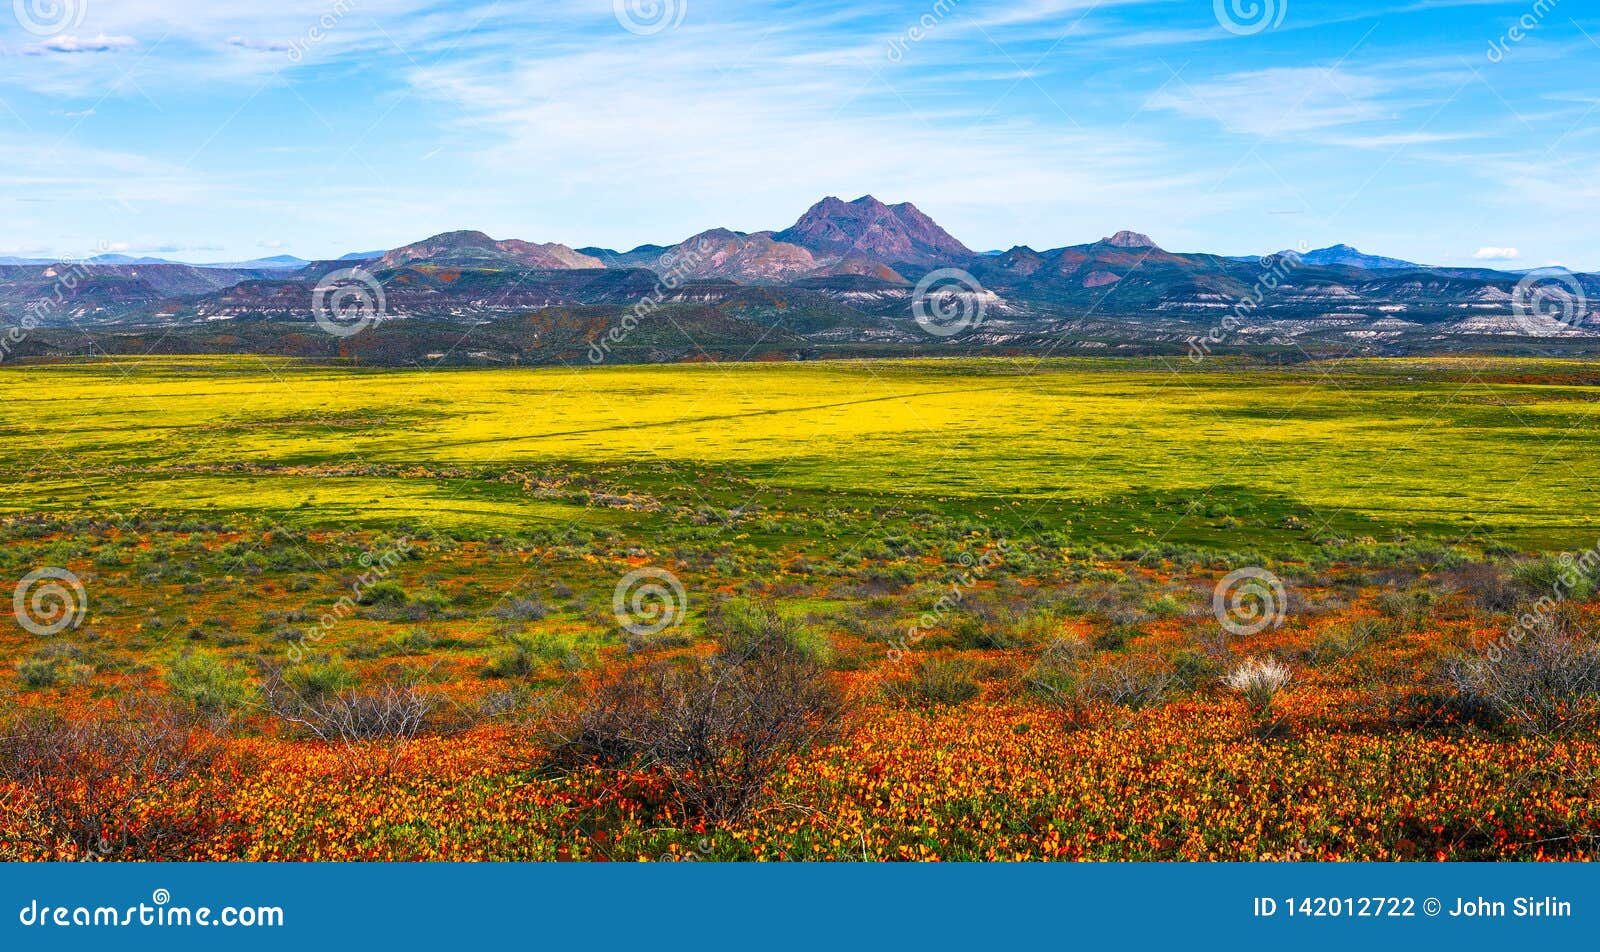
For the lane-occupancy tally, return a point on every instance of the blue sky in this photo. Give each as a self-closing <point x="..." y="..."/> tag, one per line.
<point x="228" y="130"/>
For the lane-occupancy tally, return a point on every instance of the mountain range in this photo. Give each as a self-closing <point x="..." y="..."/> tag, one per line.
<point x="843" y="278"/>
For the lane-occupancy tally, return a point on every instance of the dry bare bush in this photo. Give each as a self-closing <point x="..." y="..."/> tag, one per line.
<point x="135" y="784"/>
<point x="1068" y="676"/>
<point x="393" y="710"/>
<point x="716" y="728"/>
<point x="1548" y="682"/>
<point x="1484" y="584"/>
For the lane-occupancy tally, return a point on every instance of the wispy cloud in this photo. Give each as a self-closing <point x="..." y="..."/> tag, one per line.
<point x="1278" y="102"/>
<point x="261" y="46"/>
<point x="84" y="44"/>
<point x="1496" y="254"/>
<point x="1397" y="140"/>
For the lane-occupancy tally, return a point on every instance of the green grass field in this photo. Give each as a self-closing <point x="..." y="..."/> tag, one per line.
<point x="1218" y="455"/>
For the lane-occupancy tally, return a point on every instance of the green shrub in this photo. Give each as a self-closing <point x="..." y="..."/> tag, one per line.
<point x="934" y="681"/>
<point x="37" y="672"/>
<point x="1115" y="638"/>
<point x="519" y="609"/>
<point x="1193" y="669"/>
<point x="527" y="654"/>
<point x="1409" y="609"/>
<point x="986" y="634"/>
<point x="384" y="593"/>
<point x="1549" y="576"/>
<point x="51" y="666"/>
<point x="1067" y="680"/>
<point x="1165" y="605"/>
<point x="320" y="678"/>
<point x="742" y="627"/>
<point x="208" y="684"/>
<point x="1344" y="639"/>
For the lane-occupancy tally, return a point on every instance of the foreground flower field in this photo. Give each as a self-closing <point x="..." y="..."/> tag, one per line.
<point x="995" y="782"/>
<point x="1002" y="777"/>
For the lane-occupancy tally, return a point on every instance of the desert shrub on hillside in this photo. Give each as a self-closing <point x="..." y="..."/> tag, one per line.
<point x="517" y="608"/>
<point x="1346" y="638"/>
<point x="1554" y="576"/>
<point x="1167" y="605"/>
<point x="1116" y="637"/>
<point x="528" y="654"/>
<point x="53" y="665"/>
<point x="133" y="784"/>
<point x="716" y="728"/>
<point x="1409" y="609"/>
<point x="317" y="678"/>
<point x="1069" y="676"/>
<point x="934" y="681"/>
<point x="1485" y="585"/>
<point x="1057" y="666"/>
<point x="209" y="685"/>
<point x="1193" y="668"/>
<point x="1131" y="681"/>
<point x="384" y="593"/>
<point x="869" y="627"/>
<point x="742" y="627"/>
<point x="983" y="633"/>
<point x="1004" y="627"/>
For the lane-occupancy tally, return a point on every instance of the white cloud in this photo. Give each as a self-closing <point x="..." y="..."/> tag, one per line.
<point x="84" y="44"/>
<point x="1490" y="253"/>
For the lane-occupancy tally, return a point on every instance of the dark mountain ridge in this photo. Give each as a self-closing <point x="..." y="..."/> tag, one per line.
<point x="845" y="275"/>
